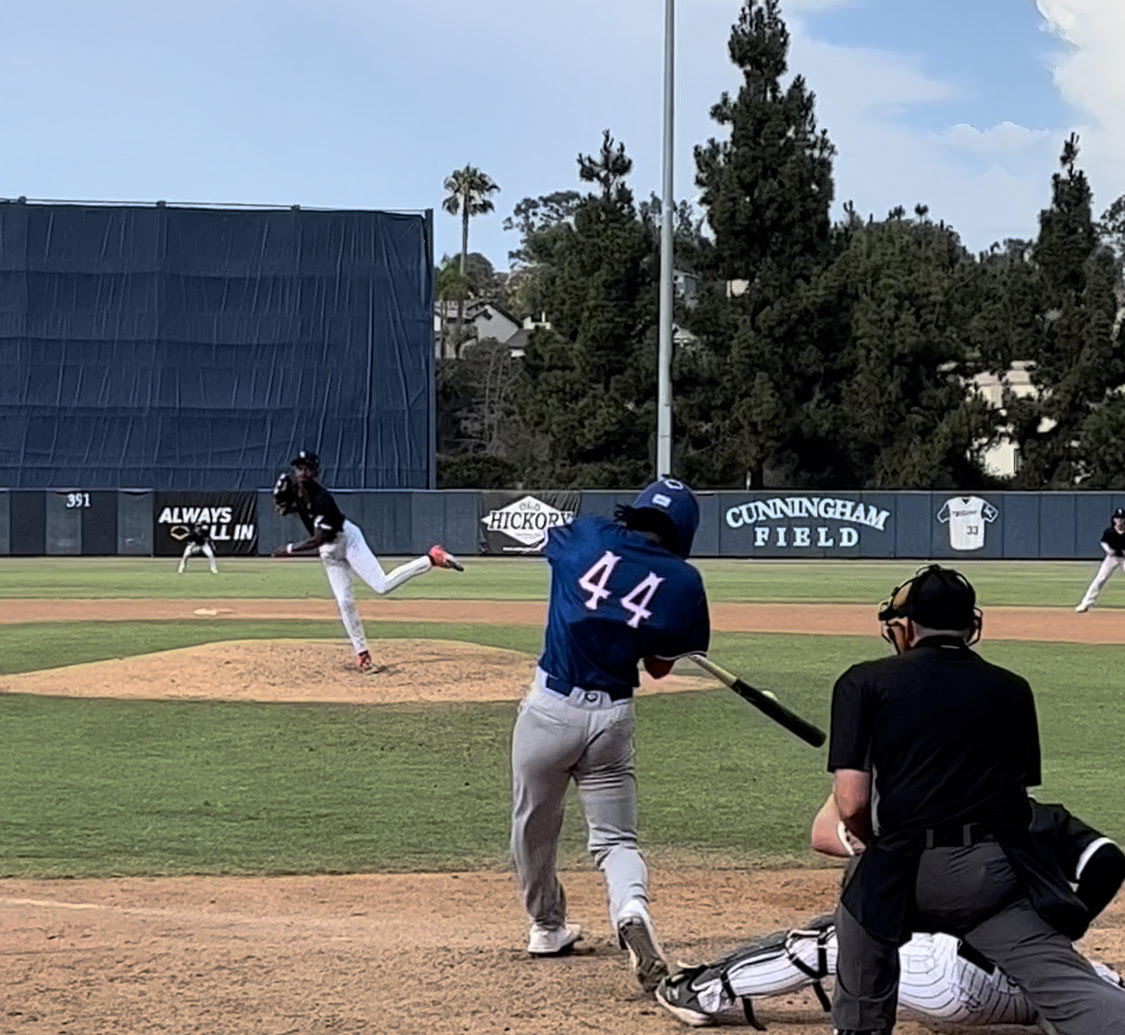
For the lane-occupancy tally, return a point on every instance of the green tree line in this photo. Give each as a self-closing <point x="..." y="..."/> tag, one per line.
<point x="809" y="352"/>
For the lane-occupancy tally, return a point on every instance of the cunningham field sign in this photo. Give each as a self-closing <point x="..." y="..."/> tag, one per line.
<point x="793" y="522"/>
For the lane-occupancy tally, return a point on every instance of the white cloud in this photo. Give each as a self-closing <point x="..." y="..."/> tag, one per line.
<point x="1005" y="140"/>
<point x="798" y="6"/>
<point x="1089" y="75"/>
<point x="988" y="183"/>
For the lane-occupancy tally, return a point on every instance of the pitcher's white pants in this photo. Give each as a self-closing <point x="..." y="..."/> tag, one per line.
<point x="1111" y="564"/>
<point x="350" y="553"/>
<point x="192" y="550"/>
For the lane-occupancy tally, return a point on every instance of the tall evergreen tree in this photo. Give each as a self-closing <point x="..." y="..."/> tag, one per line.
<point x="1077" y="363"/>
<point x="743" y="397"/>
<point x="899" y="410"/>
<point x="590" y="380"/>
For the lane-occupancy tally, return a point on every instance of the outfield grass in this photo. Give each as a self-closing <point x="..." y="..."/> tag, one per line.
<point x="135" y="787"/>
<point x="1045" y="583"/>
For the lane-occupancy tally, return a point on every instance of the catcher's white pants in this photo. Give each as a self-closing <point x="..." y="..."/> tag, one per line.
<point x="193" y="550"/>
<point x="350" y="553"/>
<point x="1111" y="564"/>
<point x="935" y="981"/>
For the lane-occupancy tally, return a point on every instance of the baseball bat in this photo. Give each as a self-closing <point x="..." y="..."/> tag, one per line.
<point x="765" y="701"/>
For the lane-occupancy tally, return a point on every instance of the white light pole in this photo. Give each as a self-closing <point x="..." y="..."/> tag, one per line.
<point x="664" y="385"/>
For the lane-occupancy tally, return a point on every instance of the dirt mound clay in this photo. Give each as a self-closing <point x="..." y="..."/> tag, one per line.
<point x="307" y="670"/>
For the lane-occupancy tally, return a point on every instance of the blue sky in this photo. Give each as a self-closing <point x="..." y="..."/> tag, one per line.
<point x="962" y="104"/>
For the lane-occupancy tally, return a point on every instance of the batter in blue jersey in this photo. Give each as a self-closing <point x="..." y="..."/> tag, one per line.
<point x="622" y="592"/>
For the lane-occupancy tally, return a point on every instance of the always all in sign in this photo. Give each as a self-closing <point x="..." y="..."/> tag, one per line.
<point x="231" y="519"/>
<point x="513" y="522"/>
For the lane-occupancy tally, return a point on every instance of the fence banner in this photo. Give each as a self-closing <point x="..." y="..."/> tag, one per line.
<point x="232" y="518"/>
<point x="517" y="522"/>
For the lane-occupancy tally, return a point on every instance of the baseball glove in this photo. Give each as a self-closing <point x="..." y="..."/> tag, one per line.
<point x="284" y="494"/>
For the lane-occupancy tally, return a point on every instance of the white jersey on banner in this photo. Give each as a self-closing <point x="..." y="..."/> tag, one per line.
<point x="967" y="517"/>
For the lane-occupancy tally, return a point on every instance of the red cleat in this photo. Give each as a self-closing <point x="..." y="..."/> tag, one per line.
<point x="363" y="661"/>
<point x="440" y="559"/>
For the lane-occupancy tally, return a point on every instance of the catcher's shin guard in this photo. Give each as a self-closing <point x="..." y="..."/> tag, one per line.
<point x="785" y="961"/>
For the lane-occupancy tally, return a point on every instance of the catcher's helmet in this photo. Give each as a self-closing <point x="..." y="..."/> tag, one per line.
<point x="674" y="503"/>
<point x="937" y="598"/>
<point x="306" y="458"/>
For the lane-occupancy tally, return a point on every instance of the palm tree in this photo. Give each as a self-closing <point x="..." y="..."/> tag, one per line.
<point x="469" y="192"/>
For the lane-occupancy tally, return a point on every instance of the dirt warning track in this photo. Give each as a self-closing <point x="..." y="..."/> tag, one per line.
<point x="1045" y="624"/>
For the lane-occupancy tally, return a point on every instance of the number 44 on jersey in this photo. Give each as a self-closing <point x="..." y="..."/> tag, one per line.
<point x="635" y="602"/>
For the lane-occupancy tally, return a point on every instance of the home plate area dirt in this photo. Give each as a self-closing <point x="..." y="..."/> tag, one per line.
<point x="425" y="953"/>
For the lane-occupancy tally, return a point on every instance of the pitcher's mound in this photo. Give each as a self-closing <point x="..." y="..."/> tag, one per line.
<point x="306" y="670"/>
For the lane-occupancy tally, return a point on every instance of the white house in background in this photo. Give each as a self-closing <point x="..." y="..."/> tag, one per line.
<point x="482" y="320"/>
<point x="1003" y="458"/>
<point x="685" y="286"/>
<point x="517" y="343"/>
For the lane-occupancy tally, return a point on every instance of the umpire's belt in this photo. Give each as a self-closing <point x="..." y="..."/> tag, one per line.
<point x="956" y="835"/>
<point x="565" y="689"/>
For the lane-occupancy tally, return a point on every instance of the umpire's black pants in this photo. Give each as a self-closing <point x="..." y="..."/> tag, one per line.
<point x="973" y="893"/>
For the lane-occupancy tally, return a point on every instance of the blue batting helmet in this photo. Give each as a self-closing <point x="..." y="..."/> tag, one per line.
<point x="677" y="502"/>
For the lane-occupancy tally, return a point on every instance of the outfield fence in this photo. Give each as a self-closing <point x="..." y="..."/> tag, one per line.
<point x="769" y="524"/>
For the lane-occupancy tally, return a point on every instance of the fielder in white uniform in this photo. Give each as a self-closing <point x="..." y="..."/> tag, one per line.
<point x="941" y="978"/>
<point x="198" y="542"/>
<point x="1113" y="543"/>
<point x="342" y="548"/>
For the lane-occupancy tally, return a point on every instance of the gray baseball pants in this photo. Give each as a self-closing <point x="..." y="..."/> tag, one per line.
<point x="973" y="893"/>
<point x="586" y="738"/>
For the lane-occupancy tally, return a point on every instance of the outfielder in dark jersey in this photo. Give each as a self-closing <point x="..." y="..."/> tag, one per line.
<point x="342" y="548"/>
<point x="941" y="978"/>
<point x="196" y="542"/>
<point x="621" y="592"/>
<point x="1113" y="545"/>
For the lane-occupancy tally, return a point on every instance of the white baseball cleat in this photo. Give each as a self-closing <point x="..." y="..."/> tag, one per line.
<point x="1082" y="608"/>
<point x="635" y="933"/>
<point x="552" y="941"/>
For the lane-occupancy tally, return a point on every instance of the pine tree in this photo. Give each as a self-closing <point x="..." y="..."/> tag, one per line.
<point x="767" y="189"/>
<point x="899" y="412"/>
<point x="590" y="385"/>
<point x="1077" y="361"/>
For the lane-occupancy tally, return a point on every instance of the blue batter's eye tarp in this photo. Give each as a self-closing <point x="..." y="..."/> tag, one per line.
<point x="196" y="348"/>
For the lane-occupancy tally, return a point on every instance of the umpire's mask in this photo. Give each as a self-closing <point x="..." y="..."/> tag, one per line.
<point x="936" y="598"/>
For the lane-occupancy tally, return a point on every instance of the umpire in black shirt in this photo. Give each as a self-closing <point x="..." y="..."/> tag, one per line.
<point x="933" y="751"/>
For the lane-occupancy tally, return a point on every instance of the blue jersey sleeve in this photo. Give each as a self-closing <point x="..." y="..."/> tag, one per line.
<point x="692" y="633"/>
<point x="558" y="539"/>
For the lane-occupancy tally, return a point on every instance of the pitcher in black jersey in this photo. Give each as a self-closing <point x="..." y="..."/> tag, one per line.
<point x="342" y="548"/>
<point x="1113" y="544"/>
